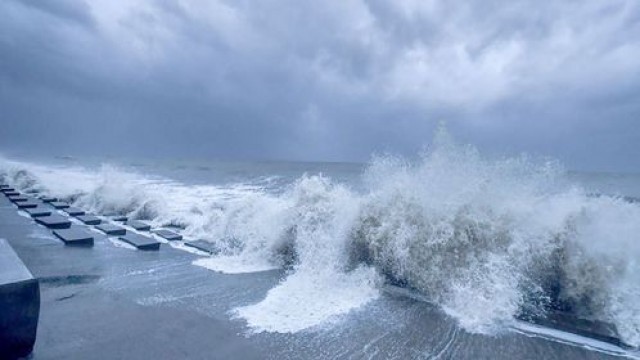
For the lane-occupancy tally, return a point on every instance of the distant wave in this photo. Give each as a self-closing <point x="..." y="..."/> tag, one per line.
<point x="487" y="240"/>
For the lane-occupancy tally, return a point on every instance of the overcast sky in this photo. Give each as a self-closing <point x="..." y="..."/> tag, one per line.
<point x="321" y="80"/>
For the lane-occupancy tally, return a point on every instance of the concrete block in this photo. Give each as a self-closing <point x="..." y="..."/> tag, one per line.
<point x="27" y="204"/>
<point x="168" y="234"/>
<point x="19" y="198"/>
<point x="7" y="189"/>
<point x="139" y="225"/>
<point x="111" y="229"/>
<point x="120" y="218"/>
<point x="11" y="193"/>
<point x="141" y="242"/>
<point x="59" y="204"/>
<point x="90" y="219"/>
<point x="19" y="305"/>
<point x="54" y="222"/>
<point x="204" y="245"/>
<point x="73" y="211"/>
<point x="38" y="211"/>
<point x="75" y="235"/>
<point x="4" y="186"/>
<point x="48" y="199"/>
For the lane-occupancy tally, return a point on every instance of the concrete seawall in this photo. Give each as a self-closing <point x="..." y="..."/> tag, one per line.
<point x="110" y="302"/>
<point x="19" y="305"/>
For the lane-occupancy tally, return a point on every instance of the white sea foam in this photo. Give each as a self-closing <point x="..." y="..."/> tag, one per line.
<point x="305" y="300"/>
<point x="121" y="244"/>
<point x="321" y="288"/>
<point x="183" y="247"/>
<point x="235" y="264"/>
<point x="484" y="239"/>
<point x="24" y="214"/>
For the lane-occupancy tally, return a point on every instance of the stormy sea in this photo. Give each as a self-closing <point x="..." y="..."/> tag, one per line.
<point x="494" y="244"/>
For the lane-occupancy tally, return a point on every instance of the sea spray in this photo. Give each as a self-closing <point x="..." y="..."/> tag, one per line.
<point x="486" y="239"/>
<point x="321" y="286"/>
<point x="463" y="230"/>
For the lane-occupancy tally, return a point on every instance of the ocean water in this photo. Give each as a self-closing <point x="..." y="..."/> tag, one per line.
<point x="487" y="240"/>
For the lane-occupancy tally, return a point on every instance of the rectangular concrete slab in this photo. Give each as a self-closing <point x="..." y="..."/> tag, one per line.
<point x="11" y="193"/>
<point x="90" y="219"/>
<point x="18" y="198"/>
<point x="75" y="235"/>
<point x="54" y="221"/>
<point x="74" y="211"/>
<point x="48" y="199"/>
<point x="59" y="204"/>
<point x="204" y="245"/>
<point x="141" y="242"/>
<point x="38" y="211"/>
<point x="27" y="204"/>
<point x="139" y="225"/>
<point x="120" y="218"/>
<point x="19" y="305"/>
<point x="168" y="234"/>
<point x="7" y="189"/>
<point x="4" y="186"/>
<point x="111" y="229"/>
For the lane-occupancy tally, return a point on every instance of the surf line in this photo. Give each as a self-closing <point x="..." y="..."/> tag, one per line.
<point x="533" y="330"/>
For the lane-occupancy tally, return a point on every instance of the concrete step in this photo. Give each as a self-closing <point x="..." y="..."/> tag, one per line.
<point x="30" y="204"/>
<point x="112" y="230"/>
<point x="141" y="242"/>
<point x="59" y="204"/>
<point x="74" y="211"/>
<point x="38" y="211"/>
<point x="90" y="219"/>
<point x="75" y="235"/>
<point x="139" y="225"/>
<point x="168" y="234"/>
<point x="54" y="221"/>
<point x="203" y="245"/>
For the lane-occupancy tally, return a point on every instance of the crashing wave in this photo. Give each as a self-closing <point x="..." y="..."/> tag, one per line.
<point x="487" y="240"/>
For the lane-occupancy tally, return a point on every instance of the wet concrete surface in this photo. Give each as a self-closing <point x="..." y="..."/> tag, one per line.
<point x="113" y="302"/>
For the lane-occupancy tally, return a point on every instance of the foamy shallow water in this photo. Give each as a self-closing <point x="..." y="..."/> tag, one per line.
<point x="303" y="301"/>
<point x="234" y="264"/>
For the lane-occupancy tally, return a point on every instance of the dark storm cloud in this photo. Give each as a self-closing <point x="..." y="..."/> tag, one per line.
<point x="321" y="81"/>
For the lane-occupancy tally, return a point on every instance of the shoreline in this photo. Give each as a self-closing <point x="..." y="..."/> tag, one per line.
<point x="112" y="302"/>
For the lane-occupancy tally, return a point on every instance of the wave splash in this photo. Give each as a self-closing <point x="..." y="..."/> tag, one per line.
<point x="487" y="240"/>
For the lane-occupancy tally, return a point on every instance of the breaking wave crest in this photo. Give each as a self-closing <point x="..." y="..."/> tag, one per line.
<point x="487" y="240"/>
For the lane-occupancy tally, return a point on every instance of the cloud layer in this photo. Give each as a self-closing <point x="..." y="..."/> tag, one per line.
<point x="305" y="80"/>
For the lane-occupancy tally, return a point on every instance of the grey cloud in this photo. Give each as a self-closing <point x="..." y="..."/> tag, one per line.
<point x="68" y="10"/>
<point x="321" y="81"/>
